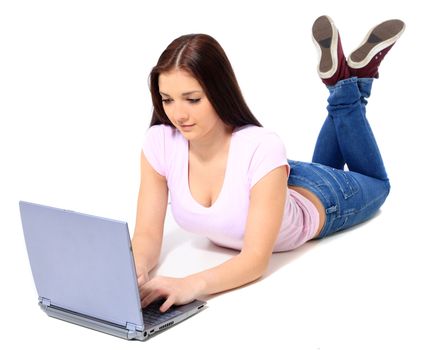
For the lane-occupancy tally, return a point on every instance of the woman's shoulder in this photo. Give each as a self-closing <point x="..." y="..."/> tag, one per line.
<point x="162" y="138"/>
<point x="166" y="133"/>
<point x="254" y="134"/>
<point x="258" y="141"/>
<point x="159" y="145"/>
<point x="162" y="129"/>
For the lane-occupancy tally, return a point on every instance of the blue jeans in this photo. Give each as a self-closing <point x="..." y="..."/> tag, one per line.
<point x="349" y="197"/>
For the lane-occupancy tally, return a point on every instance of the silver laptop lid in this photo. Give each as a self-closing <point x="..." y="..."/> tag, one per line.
<point x="82" y="263"/>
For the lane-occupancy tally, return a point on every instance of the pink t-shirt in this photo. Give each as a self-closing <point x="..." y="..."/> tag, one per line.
<point x="253" y="153"/>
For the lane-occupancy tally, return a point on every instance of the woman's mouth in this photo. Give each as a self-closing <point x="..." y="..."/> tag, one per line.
<point x="186" y="126"/>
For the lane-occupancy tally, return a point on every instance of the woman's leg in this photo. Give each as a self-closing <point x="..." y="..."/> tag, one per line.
<point x="349" y="197"/>
<point x="327" y="149"/>
<point x="346" y="136"/>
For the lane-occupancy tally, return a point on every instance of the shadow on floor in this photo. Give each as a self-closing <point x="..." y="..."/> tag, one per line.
<point x="177" y="237"/>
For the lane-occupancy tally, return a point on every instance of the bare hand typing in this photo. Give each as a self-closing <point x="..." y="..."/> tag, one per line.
<point x="176" y="291"/>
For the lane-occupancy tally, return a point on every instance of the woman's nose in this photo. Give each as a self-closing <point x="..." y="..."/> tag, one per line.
<point x="180" y="115"/>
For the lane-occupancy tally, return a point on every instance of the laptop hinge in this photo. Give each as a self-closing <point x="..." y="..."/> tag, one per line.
<point x="132" y="326"/>
<point x="45" y="303"/>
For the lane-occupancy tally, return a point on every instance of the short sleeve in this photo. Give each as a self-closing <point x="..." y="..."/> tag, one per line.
<point x="268" y="155"/>
<point x="154" y="148"/>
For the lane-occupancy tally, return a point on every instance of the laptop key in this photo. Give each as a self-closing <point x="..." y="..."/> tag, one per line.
<point x="152" y="314"/>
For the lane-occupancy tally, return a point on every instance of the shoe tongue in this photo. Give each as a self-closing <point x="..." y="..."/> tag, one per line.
<point x="374" y="38"/>
<point x="326" y="42"/>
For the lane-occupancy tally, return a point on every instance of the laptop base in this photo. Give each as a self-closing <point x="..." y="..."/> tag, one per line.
<point x="95" y="324"/>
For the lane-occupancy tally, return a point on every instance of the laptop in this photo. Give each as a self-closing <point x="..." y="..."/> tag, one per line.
<point x="84" y="273"/>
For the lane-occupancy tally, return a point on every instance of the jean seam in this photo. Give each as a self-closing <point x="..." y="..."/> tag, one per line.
<point x="326" y="181"/>
<point x="315" y="185"/>
<point x="330" y="216"/>
<point x="368" y="204"/>
<point x="345" y="217"/>
<point x="343" y="224"/>
<point x="349" y="190"/>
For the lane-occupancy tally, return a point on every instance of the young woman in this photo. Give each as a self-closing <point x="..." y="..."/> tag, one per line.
<point x="229" y="178"/>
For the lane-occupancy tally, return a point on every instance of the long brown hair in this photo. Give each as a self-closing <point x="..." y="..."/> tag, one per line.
<point x="203" y="57"/>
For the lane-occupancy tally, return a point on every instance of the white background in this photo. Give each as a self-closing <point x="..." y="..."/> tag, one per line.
<point x="74" y="106"/>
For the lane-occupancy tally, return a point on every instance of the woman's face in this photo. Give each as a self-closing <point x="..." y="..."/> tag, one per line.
<point x="186" y="105"/>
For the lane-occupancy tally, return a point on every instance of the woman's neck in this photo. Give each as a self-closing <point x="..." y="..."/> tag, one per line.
<point x="212" y="144"/>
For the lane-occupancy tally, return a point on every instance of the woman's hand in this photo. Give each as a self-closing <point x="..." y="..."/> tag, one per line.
<point x="176" y="291"/>
<point x="142" y="276"/>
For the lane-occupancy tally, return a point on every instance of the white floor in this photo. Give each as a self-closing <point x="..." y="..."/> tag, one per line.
<point x="370" y="287"/>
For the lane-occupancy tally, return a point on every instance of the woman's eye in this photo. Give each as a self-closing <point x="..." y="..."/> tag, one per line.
<point x="190" y="100"/>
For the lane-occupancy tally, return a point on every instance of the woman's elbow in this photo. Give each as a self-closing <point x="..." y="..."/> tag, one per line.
<point x="257" y="264"/>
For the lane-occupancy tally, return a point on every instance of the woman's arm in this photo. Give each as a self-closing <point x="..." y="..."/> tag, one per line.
<point x="150" y="217"/>
<point x="267" y="200"/>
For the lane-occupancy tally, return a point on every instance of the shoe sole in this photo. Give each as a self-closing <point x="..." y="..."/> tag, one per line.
<point x="325" y="38"/>
<point x="378" y="38"/>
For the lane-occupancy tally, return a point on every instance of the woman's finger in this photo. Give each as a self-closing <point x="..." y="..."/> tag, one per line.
<point x="142" y="292"/>
<point x="167" y="304"/>
<point x="141" y="280"/>
<point x="150" y="297"/>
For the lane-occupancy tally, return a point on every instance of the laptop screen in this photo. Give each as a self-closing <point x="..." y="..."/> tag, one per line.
<point x="82" y="263"/>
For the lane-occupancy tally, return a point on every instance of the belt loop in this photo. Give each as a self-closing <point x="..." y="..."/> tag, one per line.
<point x="331" y="209"/>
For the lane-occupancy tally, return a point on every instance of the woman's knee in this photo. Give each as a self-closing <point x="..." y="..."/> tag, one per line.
<point x="387" y="190"/>
<point x="388" y="187"/>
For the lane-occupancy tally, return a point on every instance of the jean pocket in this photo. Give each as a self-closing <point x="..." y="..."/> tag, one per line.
<point x="346" y="182"/>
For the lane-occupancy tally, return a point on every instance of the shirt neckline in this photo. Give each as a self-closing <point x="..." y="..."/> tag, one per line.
<point x="226" y="175"/>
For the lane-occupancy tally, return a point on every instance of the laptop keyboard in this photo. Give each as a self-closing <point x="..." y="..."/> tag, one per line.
<point x="152" y="315"/>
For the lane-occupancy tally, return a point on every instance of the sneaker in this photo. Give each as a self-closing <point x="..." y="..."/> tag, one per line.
<point x="365" y="60"/>
<point x="332" y="65"/>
